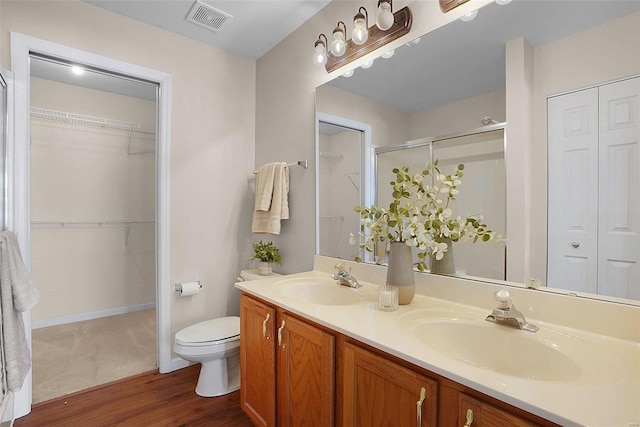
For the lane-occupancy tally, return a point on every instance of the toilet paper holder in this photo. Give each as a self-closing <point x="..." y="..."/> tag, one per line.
<point x="179" y="286"/>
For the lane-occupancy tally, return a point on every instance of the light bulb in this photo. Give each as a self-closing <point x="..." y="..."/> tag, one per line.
<point x="388" y="54"/>
<point x="360" y="32"/>
<point x="503" y="2"/>
<point x="338" y="45"/>
<point x="469" y="16"/>
<point x="367" y="64"/>
<point x="320" y="54"/>
<point x="384" y="20"/>
<point x="348" y="74"/>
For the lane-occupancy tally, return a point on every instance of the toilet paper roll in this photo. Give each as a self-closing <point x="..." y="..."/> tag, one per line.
<point x="189" y="288"/>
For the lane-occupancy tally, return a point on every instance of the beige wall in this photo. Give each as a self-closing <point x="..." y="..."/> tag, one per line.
<point x="388" y="125"/>
<point x="458" y="116"/>
<point x="84" y="173"/>
<point x="285" y="129"/>
<point x="212" y="138"/>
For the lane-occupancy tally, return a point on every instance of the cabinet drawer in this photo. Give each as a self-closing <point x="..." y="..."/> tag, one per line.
<point x="485" y="415"/>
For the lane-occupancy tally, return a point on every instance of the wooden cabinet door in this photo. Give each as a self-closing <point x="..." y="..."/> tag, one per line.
<point x="306" y="374"/>
<point x="377" y="391"/>
<point x="257" y="361"/>
<point x="485" y="415"/>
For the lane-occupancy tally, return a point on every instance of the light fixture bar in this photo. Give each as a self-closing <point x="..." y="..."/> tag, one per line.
<point x="377" y="38"/>
<point x="447" y="5"/>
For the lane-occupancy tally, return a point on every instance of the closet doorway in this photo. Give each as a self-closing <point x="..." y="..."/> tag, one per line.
<point x="23" y="48"/>
<point x="92" y="187"/>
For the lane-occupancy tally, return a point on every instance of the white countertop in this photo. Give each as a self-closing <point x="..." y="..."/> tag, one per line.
<point x="605" y="393"/>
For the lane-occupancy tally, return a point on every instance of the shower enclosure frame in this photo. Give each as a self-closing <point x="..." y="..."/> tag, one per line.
<point x="17" y="163"/>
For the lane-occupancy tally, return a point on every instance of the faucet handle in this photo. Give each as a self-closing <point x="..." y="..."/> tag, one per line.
<point x="504" y="298"/>
<point x="339" y="267"/>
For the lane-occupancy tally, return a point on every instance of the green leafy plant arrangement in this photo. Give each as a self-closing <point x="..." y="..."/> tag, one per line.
<point x="267" y="252"/>
<point x="420" y="215"/>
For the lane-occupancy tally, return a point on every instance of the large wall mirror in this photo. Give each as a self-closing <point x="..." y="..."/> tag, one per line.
<point x="458" y="81"/>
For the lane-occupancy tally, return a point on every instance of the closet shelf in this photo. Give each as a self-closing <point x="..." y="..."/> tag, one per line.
<point x="332" y="159"/>
<point x="61" y="116"/>
<point x="89" y="224"/>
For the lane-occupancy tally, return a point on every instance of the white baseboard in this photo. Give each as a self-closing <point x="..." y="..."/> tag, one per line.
<point x="43" y="323"/>
<point x="179" y="363"/>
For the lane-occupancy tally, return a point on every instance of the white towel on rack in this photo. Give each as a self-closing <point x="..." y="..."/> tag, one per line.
<point x="17" y="294"/>
<point x="271" y="202"/>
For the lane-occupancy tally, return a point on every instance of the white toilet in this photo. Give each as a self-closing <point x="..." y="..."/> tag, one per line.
<point x="216" y="344"/>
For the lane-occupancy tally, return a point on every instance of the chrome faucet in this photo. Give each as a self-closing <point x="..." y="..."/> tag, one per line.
<point x="506" y="313"/>
<point x="344" y="277"/>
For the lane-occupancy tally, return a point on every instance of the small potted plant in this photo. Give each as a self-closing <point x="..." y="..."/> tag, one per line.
<point x="266" y="254"/>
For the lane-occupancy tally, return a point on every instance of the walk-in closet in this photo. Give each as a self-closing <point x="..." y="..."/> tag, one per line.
<point x="93" y="234"/>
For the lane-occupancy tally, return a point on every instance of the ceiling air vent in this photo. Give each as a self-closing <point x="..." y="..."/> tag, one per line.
<point x="206" y="16"/>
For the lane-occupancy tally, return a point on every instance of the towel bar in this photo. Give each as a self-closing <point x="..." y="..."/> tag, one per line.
<point x="303" y="163"/>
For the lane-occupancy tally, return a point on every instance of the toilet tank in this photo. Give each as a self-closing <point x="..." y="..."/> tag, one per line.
<point x="253" y="274"/>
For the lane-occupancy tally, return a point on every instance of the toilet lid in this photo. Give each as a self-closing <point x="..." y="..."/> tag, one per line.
<point x="210" y="330"/>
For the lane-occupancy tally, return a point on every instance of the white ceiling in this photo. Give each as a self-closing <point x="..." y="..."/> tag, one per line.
<point x="256" y="26"/>
<point x="460" y="60"/>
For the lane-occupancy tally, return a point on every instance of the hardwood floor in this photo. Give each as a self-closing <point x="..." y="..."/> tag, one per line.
<point x="150" y="399"/>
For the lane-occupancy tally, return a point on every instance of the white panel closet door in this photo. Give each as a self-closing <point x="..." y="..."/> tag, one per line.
<point x="572" y="191"/>
<point x="619" y="219"/>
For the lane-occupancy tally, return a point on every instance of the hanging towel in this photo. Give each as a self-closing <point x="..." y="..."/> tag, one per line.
<point x="271" y="203"/>
<point x="17" y="294"/>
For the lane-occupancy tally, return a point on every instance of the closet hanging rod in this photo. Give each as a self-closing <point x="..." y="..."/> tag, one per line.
<point x="89" y="224"/>
<point x="303" y="163"/>
<point x="61" y="116"/>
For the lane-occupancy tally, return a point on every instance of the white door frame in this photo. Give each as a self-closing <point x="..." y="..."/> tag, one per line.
<point x="18" y="197"/>
<point x="367" y="183"/>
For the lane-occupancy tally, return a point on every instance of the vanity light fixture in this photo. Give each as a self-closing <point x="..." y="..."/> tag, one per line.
<point x="339" y="43"/>
<point x="363" y="39"/>
<point x="384" y="20"/>
<point x="360" y="32"/>
<point x="320" y="53"/>
<point x="503" y="2"/>
<point x="447" y="5"/>
<point x="348" y="74"/>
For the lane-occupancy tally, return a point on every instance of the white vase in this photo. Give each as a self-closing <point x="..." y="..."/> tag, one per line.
<point x="400" y="272"/>
<point x="265" y="268"/>
<point x="446" y="265"/>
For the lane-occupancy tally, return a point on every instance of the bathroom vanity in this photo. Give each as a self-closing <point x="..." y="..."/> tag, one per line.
<point x="311" y="350"/>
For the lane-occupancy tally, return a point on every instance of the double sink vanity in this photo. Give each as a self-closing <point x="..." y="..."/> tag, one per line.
<point x="316" y="352"/>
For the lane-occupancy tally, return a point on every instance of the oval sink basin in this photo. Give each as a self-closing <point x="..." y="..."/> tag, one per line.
<point x="318" y="290"/>
<point x="498" y="348"/>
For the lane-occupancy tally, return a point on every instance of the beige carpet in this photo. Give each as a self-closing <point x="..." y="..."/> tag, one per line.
<point x="72" y="357"/>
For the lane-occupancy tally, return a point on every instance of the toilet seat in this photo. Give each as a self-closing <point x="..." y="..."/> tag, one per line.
<point x="210" y="332"/>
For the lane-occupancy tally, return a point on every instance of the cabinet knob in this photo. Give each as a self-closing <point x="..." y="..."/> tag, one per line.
<point x="423" y="395"/>
<point x="575" y="244"/>
<point x="280" y="333"/>
<point x="469" y="418"/>
<point x="264" y="326"/>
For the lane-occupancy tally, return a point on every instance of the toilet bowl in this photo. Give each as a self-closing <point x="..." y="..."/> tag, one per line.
<point x="216" y="345"/>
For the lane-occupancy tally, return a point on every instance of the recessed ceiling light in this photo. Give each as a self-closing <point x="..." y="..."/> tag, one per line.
<point x="77" y="70"/>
